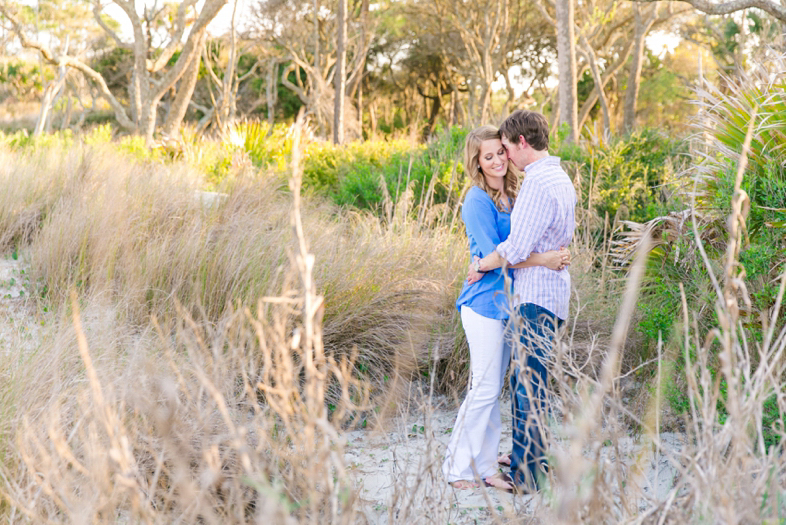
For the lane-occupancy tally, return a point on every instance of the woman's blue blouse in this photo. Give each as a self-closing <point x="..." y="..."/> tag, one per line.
<point x="486" y="228"/>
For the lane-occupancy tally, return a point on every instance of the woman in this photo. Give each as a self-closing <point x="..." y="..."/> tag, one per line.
<point x="474" y="444"/>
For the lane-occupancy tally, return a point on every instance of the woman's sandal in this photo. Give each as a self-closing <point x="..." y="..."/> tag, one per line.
<point x="504" y="459"/>
<point x="463" y="484"/>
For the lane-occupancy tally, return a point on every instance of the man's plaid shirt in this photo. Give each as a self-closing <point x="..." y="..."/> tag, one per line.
<point x="542" y="220"/>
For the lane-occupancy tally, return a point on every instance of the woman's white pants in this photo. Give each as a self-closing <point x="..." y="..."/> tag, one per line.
<point x="474" y="443"/>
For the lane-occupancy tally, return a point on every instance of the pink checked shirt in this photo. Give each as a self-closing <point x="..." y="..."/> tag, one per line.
<point x="542" y="220"/>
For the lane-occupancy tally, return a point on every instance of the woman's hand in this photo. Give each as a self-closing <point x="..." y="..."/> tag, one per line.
<point x="557" y="259"/>
<point x="472" y="275"/>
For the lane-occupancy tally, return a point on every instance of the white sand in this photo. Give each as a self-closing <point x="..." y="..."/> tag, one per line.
<point x="399" y="470"/>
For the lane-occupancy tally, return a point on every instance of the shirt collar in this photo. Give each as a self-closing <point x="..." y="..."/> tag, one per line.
<point x="545" y="161"/>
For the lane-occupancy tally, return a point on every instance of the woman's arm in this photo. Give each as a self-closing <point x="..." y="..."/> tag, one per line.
<point x="479" y="217"/>
<point x="553" y="260"/>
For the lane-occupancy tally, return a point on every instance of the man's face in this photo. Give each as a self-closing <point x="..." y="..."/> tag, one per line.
<point x="516" y="152"/>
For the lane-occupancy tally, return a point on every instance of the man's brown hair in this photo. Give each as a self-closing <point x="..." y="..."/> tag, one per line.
<point x="528" y="124"/>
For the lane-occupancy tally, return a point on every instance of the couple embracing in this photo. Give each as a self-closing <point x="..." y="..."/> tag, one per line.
<point x="524" y="228"/>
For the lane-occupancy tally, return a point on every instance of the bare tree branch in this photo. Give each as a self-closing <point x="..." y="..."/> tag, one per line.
<point x="292" y="87"/>
<point x="208" y="13"/>
<point x="98" y="9"/>
<point x="242" y="78"/>
<point x="724" y="8"/>
<point x="209" y="67"/>
<point x="67" y="61"/>
<point x="545" y="14"/>
<point x="590" y="55"/>
<point x="177" y="36"/>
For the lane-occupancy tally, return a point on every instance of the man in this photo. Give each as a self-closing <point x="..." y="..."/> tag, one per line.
<point x="542" y="219"/>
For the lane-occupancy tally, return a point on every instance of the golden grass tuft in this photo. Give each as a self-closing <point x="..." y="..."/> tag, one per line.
<point x="195" y="421"/>
<point x="139" y="236"/>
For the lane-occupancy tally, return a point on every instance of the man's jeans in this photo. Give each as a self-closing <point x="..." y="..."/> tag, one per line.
<point x="528" y="387"/>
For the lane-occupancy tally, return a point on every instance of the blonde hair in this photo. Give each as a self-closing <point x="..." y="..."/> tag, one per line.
<point x="472" y="167"/>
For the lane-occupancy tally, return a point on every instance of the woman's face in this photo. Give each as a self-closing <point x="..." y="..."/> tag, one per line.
<point x="493" y="161"/>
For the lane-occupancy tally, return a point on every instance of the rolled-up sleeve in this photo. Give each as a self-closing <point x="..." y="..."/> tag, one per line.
<point x="479" y="217"/>
<point x="531" y="216"/>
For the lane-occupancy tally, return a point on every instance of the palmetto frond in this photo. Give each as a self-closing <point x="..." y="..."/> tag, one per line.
<point x="664" y="232"/>
<point x="722" y="126"/>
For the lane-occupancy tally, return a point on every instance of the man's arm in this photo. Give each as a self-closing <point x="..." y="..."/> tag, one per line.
<point x="553" y="259"/>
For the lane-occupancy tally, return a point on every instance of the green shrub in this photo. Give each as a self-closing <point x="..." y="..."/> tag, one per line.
<point x="22" y="80"/>
<point x="267" y="149"/>
<point x="22" y="140"/>
<point x="101" y="134"/>
<point x="351" y="174"/>
<point x="760" y="259"/>
<point x="135" y="146"/>
<point x="626" y="174"/>
<point x="358" y="182"/>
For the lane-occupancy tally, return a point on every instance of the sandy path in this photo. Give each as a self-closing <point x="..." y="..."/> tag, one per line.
<point x="400" y="469"/>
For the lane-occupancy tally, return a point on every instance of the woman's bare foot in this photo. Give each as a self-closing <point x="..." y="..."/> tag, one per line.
<point x="504" y="459"/>
<point x="463" y="484"/>
<point x="501" y="481"/>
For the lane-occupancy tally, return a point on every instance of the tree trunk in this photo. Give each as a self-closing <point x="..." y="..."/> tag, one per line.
<point x="484" y="111"/>
<point x="355" y="72"/>
<point x="66" y="121"/>
<point x="48" y="101"/>
<point x="339" y="77"/>
<point x="317" y="95"/>
<point x="590" y="54"/>
<point x="566" y="59"/>
<point x="608" y="75"/>
<point x="453" y="108"/>
<point x="739" y="58"/>
<point x="372" y="119"/>
<point x="185" y="91"/>
<point x="147" y="120"/>
<point x="642" y="27"/>
<point x="46" y="106"/>
<point x="471" y="102"/>
<point x="226" y="112"/>
<point x="360" y="106"/>
<point x="436" y="105"/>
<point x="271" y="94"/>
<point x="488" y="72"/>
<point x="511" y="92"/>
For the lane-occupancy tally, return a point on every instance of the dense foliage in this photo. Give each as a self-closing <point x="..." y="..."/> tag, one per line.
<point x="711" y="185"/>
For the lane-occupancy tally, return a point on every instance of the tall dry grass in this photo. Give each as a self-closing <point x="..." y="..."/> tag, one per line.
<point x="138" y="236"/>
<point x="227" y="408"/>
<point x="191" y="421"/>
